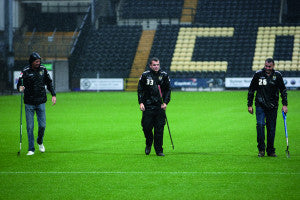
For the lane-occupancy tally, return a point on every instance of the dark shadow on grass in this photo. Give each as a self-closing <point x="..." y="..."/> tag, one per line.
<point x="210" y="154"/>
<point x="170" y="153"/>
<point x="75" y="152"/>
<point x="188" y="153"/>
<point x="93" y="152"/>
<point x="126" y="153"/>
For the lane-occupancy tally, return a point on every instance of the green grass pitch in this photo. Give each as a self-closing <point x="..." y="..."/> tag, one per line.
<point x="95" y="150"/>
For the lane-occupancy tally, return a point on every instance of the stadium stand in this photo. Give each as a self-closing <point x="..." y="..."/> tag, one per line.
<point x="108" y="52"/>
<point x="49" y="28"/>
<point x="140" y="59"/>
<point x="164" y="44"/>
<point x="136" y="9"/>
<point x="233" y="12"/>
<point x="45" y="16"/>
<point x="188" y="11"/>
<point x="228" y="38"/>
<point x="52" y="45"/>
<point x="46" y="22"/>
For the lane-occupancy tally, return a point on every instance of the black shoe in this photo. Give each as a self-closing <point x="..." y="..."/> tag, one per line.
<point x="147" y="150"/>
<point x="272" y="155"/>
<point x="160" y="154"/>
<point x="261" y="153"/>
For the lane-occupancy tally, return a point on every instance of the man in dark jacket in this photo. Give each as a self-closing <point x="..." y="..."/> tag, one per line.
<point x="32" y="82"/>
<point x="153" y="108"/>
<point x="267" y="83"/>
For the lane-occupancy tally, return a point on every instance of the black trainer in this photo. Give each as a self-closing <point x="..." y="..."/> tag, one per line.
<point x="160" y="154"/>
<point x="261" y="153"/>
<point x="147" y="150"/>
<point x="272" y="155"/>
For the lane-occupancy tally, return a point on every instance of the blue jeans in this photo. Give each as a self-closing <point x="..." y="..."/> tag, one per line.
<point x="266" y="117"/>
<point x="41" y="118"/>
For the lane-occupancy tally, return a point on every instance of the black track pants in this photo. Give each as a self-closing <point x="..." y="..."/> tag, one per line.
<point x="154" y="119"/>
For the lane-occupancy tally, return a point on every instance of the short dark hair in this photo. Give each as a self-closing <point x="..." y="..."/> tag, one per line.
<point x="153" y="59"/>
<point x="270" y="60"/>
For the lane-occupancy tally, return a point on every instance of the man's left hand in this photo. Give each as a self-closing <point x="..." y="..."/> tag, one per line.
<point x="163" y="106"/>
<point x="284" y="109"/>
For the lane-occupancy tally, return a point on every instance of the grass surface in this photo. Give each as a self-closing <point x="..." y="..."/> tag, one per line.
<point x="95" y="150"/>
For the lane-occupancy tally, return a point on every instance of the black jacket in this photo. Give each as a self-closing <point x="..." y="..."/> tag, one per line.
<point x="148" y="92"/>
<point x="34" y="82"/>
<point x="267" y="88"/>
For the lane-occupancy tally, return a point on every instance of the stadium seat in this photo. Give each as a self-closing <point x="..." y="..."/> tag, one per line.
<point x="111" y="54"/>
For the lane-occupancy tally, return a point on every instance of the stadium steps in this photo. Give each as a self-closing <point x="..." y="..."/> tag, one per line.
<point x="188" y="11"/>
<point x="58" y="48"/>
<point x="140" y="59"/>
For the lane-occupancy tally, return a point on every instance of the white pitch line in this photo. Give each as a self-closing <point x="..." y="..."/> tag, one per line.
<point x="120" y="172"/>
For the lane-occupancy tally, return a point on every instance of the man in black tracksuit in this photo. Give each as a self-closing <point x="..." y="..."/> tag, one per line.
<point x="32" y="82"/>
<point x="267" y="83"/>
<point x="152" y="106"/>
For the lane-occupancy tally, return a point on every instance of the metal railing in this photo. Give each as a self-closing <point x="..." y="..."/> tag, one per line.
<point x="52" y="45"/>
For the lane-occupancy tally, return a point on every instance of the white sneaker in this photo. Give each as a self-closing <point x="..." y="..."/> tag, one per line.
<point x="30" y="153"/>
<point x="41" y="148"/>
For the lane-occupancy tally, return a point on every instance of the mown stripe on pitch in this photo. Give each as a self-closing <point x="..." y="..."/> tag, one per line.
<point x="120" y="172"/>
